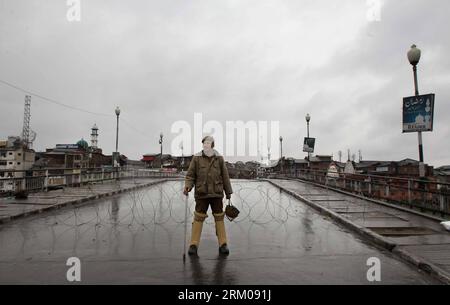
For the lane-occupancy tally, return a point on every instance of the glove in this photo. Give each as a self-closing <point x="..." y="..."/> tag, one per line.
<point x="186" y="191"/>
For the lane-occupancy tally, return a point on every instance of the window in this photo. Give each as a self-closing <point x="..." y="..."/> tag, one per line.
<point x="18" y="163"/>
<point x="10" y="153"/>
<point x="3" y="154"/>
<point x="10" y="163"/>
<point x="382" y="169"/>
<point x="3" y="163"/>
<point x="19" y="154"/>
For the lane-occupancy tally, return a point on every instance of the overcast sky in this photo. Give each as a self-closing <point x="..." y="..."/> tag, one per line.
<point x="251" y="60"/>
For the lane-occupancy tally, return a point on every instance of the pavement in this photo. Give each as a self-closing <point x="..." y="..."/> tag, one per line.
<point x="137" y="237"/>
<point x="414" y="237"/>
<point x="39" y="202"/>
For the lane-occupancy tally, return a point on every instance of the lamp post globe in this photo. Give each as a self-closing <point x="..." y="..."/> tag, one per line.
<point x="414" y="55"/>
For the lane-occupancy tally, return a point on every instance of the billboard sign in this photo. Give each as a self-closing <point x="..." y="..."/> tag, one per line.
<point x="418" y="113"/>
<point x="67" y="146"/>
<point x="308" y="145"/>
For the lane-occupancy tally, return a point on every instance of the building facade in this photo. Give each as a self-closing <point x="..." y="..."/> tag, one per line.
<point x="15" y="160"/>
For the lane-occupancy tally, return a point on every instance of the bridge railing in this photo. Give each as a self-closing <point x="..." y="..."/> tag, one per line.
<point x="14" y="181"/>
<point x="426" y="194"/>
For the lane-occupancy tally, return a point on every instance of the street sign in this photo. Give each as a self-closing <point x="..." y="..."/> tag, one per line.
<point x="308" y="145"/>
<point x="115" y="159"/>
<point x="333" y="171"/>
<point x="418" y="113"/>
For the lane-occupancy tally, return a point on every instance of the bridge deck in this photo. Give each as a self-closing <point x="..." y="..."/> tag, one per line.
<point x="137" y="237"/>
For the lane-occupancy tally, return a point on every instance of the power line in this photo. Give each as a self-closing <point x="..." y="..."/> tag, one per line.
<point x="70" y="107"/>
<point x="137" y="130"/>
<point x="52" y="100"/>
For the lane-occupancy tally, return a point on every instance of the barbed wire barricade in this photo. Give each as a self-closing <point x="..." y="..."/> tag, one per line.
<point x="131" y="220"/>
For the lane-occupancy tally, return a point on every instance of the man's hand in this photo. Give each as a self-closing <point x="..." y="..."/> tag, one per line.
<point x="228" y="196"/>
<point x="186" y="191"/>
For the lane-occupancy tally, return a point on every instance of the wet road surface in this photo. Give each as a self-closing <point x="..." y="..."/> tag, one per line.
<point x="137" y="237"/>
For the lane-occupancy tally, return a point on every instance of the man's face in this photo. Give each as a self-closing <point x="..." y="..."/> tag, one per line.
<point x="207" y="144"/>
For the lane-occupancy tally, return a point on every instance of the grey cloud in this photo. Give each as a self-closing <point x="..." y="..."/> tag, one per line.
<point x="161" y="61"/>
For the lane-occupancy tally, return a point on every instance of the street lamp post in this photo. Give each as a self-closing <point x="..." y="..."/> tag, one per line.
<point x="161" y="143"/>
<point x="281" y="154"/>
<point x="308" y="118"/>
<point x="414" y="58"/>
<point x="117" y="128"/>
<point x="116" y="161"/>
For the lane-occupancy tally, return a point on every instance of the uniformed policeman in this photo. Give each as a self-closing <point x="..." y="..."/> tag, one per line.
<point x="208" y="173"/>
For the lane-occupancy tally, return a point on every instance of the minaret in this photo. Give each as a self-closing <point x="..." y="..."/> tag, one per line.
<point x="94" y="137"/>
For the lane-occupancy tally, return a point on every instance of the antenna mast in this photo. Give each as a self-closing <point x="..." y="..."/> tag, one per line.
<point x="26" y="121"/>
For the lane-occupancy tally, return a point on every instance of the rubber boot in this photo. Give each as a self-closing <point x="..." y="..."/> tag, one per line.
<point x="193" y="250"/>
<point x="197" y="226"/>
<point x="221" y="233"/>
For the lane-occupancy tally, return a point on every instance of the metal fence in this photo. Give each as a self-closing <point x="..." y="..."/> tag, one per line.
<point x="426" y="194"/>
<point x="14" y="181"/>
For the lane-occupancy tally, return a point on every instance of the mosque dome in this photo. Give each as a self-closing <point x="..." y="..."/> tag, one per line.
<point x="82" y="143"/>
